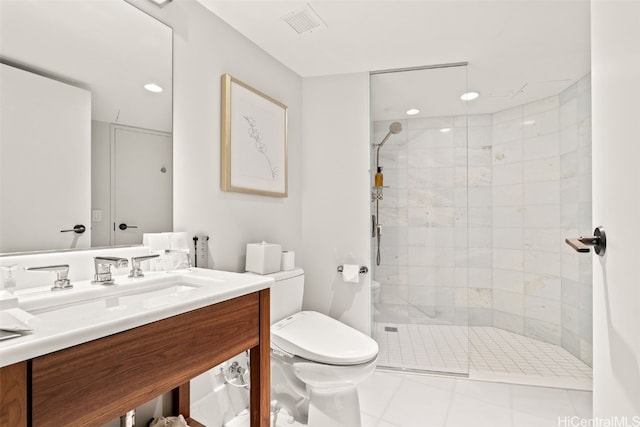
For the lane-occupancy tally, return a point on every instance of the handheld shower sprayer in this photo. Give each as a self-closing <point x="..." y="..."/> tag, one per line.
<point x="394" y="129"/>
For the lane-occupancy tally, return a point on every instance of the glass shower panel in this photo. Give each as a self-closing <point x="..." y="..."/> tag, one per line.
<point x="429" y="219"/>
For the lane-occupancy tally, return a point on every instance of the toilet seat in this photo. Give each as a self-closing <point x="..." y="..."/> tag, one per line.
<point x="319" y="338"/>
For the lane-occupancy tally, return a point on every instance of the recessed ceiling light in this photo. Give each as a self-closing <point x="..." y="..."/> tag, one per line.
<point x="529" y="122"/>
<point x="469" y="96"/>
<point x="152" y="87"/>
<point x="412" y="111"/>
<point x="445" y="130"/>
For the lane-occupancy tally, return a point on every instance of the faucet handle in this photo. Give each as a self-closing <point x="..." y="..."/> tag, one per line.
<point x="136" y="271"/>
<point x="62" y="273"/>
<point x="103" y="265"/>
<point x="111" y="260"/>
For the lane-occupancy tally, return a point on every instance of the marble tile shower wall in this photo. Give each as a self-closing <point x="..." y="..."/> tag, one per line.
<point x="473" y="230"/>
<point x="575" y="209"/>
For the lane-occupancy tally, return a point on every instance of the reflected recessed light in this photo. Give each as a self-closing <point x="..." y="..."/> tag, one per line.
<point x="529" y="122"/>
<point x="469" y="96"/>
<point x="152" y="87"/>
<point x="412" y="111"/>
<point x="445" y="130"/>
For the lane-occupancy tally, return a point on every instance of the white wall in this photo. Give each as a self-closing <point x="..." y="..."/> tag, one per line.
<point x="205" y="47"/>
<point x="101" y="182"/>
<point x="336" y="195"/>
<point x="615" y="62"/>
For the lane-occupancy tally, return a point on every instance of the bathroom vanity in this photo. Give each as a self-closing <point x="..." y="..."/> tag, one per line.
<point x="152" y="338"/>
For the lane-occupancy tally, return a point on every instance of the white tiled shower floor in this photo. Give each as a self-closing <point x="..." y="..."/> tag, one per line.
<point x="495" y="354"/>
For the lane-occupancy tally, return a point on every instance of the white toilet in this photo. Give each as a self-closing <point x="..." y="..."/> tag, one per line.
<point x="317" y="362"/>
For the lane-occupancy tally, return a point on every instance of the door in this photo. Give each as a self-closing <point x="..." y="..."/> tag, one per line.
<point x="45" y="163"/>
<point x="142" y="183"/>
<point x="615" y="59"/>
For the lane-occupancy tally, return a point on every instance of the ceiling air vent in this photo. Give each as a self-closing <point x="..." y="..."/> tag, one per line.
<point x="304" y="20"/>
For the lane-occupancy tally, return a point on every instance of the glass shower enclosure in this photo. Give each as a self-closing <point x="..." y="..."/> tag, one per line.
<point x="421" y="220"/>
<point x="471" y="272"/>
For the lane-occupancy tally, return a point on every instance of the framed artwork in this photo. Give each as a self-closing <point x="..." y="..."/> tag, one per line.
<point x="253" y="141"/>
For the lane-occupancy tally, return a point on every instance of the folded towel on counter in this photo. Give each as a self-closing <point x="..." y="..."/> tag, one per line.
<point x="160" y="242"/>
<point x="156" y="242"/>
<point x="179" y="241"/>
<point x="15" y="320"/>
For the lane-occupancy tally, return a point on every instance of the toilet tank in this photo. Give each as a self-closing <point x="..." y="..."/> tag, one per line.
<point x="286" y="293"/>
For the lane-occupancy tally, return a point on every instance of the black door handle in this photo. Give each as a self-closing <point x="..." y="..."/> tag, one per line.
<point x="78" y="229"/>
<point x="124" y="226"/>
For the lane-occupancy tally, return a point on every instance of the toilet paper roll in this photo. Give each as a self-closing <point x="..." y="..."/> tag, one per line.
<point x="287" y="261"/>
<point x="350" y="273"/>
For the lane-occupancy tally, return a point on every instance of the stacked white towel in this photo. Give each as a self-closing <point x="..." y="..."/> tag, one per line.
<point x="179" y="242"/>
<point x="158" y="243"/>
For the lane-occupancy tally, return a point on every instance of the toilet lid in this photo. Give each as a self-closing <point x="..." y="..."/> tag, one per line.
<point x="320" y="338"/>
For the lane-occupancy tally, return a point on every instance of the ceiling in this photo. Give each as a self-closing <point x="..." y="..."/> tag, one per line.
<point x="517" y="50"/>
<point x="107" y="47"/>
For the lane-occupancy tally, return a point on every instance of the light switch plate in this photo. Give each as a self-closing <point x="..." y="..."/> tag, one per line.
<point x="96" y="215"/>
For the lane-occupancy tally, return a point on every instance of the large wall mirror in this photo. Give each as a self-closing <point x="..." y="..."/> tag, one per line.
<point x="86" y="135"/>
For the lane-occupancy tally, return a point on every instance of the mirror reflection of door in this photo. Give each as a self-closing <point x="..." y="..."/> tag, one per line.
<point x="44" y="147"/>
<point x="142" y="183"/>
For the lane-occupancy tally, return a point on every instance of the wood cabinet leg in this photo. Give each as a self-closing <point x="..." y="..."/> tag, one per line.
<point x="261" y="368"/>
<point x="181" y="404"/>
<point x="181" y="397"/>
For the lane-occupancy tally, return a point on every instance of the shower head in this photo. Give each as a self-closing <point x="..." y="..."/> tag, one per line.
<point x="394" y="129"/>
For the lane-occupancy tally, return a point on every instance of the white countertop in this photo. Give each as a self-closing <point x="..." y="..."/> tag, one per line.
<point x="62" y="319"/>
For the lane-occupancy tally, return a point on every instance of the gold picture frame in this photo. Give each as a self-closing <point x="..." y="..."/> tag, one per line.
<point x="254" y="150"/>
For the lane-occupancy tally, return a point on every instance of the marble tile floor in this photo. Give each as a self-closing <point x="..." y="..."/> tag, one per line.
<point x="392" y="399"/>
<point x="491" y="354"/>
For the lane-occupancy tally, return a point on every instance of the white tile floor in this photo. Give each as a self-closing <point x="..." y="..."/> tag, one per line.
<point x="411" y="400"/>
<point x="491" y="354"/>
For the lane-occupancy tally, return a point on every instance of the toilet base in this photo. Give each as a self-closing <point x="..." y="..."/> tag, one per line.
<point x="334" y="408"/>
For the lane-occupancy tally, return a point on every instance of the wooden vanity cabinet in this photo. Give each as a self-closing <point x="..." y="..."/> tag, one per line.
<point x="93" y="383"/>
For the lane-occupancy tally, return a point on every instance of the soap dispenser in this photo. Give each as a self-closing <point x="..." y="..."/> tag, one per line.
<point x="379" y="179"/>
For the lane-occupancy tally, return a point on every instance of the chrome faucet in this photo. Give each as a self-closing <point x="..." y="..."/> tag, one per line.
<point x="135" y="264"/>
<point x="103" y="268"/>
<point x="62" y="272"/>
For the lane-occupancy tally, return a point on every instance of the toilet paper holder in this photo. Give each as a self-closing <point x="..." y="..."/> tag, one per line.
<point x="363" y="269"/>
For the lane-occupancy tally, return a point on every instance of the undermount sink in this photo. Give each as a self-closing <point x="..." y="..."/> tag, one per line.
<point x="88" y="304"/>
<point x="126" y="302"/>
